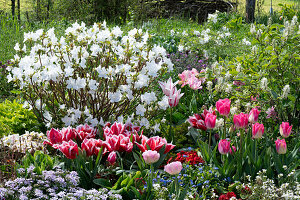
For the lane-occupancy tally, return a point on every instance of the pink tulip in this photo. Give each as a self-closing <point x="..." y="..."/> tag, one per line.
<point x="174" y="98"/>
<point x="155" y="144"/>
<point x="280" y="146"/>
<point x="210" y="121"/>
<point x="151" y="156"/>
<point x="168" y="87"/>
<point x="224" y="146"/>
<point x="173" y="168"/>
<point x="234" y="149"/>
<point x="223" y="106"/>
<point x="240" y="120"/>
<point x="285" y="129"/>
<point x="69" y="149"/>
<point x="112" y="157"/>
<point x="253" y="115"/>
<point x="257" y="130"/>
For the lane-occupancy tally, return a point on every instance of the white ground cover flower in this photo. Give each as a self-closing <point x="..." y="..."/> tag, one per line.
<point x="99" y="69"/>
<point x="30" y="141"/>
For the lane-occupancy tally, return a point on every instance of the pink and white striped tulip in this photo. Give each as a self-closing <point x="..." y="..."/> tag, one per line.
<point x="285" y="129"/>
<point x="253" y="115"/>
<point x="168" y="87"/>
<point x="240" y="120"/>
<point x="280" y="146"/>
<point x="257" y="130"/>
<point x="224" y="146"/>
<point x="174" y="98"/>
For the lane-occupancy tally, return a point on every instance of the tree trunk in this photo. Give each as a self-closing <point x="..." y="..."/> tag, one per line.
<point x="38" y="9"/>
<point x="250" y="10"/>
<point x="13" y="8"/>
<point x="19" y="10"/>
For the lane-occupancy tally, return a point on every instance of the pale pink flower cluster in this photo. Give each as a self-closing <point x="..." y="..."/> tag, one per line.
<point x="189" y="77"/>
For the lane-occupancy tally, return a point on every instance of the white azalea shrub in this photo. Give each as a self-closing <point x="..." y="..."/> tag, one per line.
<point x="88" y="74"/>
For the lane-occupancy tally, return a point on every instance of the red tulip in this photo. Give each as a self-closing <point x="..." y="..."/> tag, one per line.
<point x="223" y="106"/>
<point x="85" y="131"/>
<point x="253" y="115"/>
<point x="55" y="137"/>
<point x="197" y="122"/>
<point x="155" y="144"/>
<point x="88" y="145"/>
<point x="224" y="146"/>
<point x="68" y="133"/>
<point x="240" y="120"/>
<point x="285" y="129"/>
<point x="69" y="149"/>
<point x="280" y="146"/>
<point x="210" y="121"/>
<point x="257" y="130"/>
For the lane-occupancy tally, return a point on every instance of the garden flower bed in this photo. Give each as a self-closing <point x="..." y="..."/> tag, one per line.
<point x="210" y="112"/>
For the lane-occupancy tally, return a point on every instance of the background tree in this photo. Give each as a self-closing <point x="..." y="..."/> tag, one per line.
<point x="250" y="10"/>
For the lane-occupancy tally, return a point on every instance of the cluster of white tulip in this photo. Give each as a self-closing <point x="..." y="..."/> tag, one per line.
<point x="28" y="142"/>
<point x="88" y="74"/>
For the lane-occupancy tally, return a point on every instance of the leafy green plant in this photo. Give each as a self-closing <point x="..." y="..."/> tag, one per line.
<point x="16" y="119"/>
<point x="40" y="161"/>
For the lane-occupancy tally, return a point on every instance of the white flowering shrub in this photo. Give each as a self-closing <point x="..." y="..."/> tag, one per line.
<point x="28" y="142"/>
<point x="88" y="74"/>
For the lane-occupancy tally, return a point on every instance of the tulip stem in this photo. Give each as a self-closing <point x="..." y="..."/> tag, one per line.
<point x="170" y="129"/>
<point x="224" y="134"/>
<point x="241" y="147"/>
<point x="209" y="141"/>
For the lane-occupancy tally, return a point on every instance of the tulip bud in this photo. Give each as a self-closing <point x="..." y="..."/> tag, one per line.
<point x="151" y="156"/>
<point x="224" y="146"/>
<point x="112" y="157"/>
<point x="257" y="130"/>
<point x="285" y="129"/>
<point x="280" y="146"/>
<point x="223" y="106"/>
<point x="173" y="168"/>
<point x="234" y="149"/>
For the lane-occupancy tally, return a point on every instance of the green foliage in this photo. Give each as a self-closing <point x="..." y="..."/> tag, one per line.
<point x="39" y="160"/>
<point x="16" y="119"/>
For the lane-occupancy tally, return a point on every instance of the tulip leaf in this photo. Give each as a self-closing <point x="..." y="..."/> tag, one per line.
<point x="161" y="158"/>
<point x="102" y="182"/>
